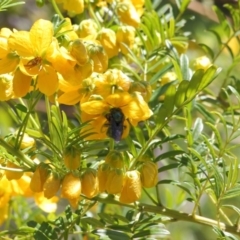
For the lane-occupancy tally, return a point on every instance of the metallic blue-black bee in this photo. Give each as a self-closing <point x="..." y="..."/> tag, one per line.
<point x="115" y="123"/>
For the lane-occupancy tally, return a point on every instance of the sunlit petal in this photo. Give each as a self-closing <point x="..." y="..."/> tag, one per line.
<point x="8" y="64"/>
<point x="70" y="98"/>
<point x="94" y="107"/>
<point x="47" y="80"/>
<point x="41" y="35"/>
<point x="119" y="99"/>
<point x="21" y="84"/>
<point x="21" y="43"/>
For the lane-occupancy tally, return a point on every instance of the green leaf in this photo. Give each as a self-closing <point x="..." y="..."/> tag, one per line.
<point x="168" y="167"/>
<point x="208" y="77"/>
<point x="160" y="73"/>
<point x="194" y="84"/>
<point x="116" y="235"/>
<point x="140" y="135"/>
<point x="180" y="95"/>
<point x="169" y="155"/>
<point x="169" y="99"/>
<point x="183" y="5"/>
<point x="95" y="223"/>
<point x="223" y="21"/>
<point x="5" y="4"/>
<point x="197" y="129"/>
<point x="21" y="108"/>
<point x="207" y="50"/>
<point x="217" y="134"/>
<point x="184" y="64"/>
<point x="158" y="231"/>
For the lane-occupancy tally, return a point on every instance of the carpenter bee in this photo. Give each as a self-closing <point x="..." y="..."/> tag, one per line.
<point x="115" y="123"/>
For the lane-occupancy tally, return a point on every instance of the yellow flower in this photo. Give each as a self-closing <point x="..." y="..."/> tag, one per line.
<point x="10" y="175"/>
<point x="39" y="177"/>
<point x="6" y="88"/>
<point x="202" y="63"/>
<point x="34" y="48"/>
<point x="72" y="158"/>
<point x="47" y="205"/>
<point x="102" y="174"/>
<point x="114" y="182"/>
<point x="110" y="116"/>
<point x="149" y="174"/>
<point x="71" y="187"/>
<point x="131" y="191"/>
<point x="87" y="28"/>
<point x="4" y="213"/>
<point x="27" y="142"/>
<point x="168" y="77"/>
<point x="97" y="55"/>
<point x="73" y="6"/>
<point x="5" y="191"/>
<point x="51" y="186"/>
<point x="113" y="80"/>
<point x="78" y="50"/>
<point x="73" y="94"/>
<point x="126" y="36"/>
<point x="107" y="38"/>
<point x="115" y="159"/>
<point x="128" y="14"/>
<point x="90" y="186"/>
<point x="4" y="35"/>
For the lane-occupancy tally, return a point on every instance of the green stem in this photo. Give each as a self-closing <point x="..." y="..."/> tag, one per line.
<point x="55" y="6"/>
<point x="176" y="215"/>
<point x="150" y="197"/>
<point x="29" y="162"/>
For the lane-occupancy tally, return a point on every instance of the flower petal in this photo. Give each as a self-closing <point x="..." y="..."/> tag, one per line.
<point x="47" y="80"/>
<point x="8" y="64"/>
<point x="21" y="84"/>
<point x="41" y="36"/>
<point x="20" y="42"/>
<point x="119" y="99"/>
<point x="94" y="107"/>
<point x="70" y="98"/>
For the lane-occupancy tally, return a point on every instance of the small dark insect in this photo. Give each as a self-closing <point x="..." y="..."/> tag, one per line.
<point x="115" y="123"/>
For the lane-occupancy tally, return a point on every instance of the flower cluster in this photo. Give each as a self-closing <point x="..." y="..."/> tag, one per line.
<point x="76" y="69"/>
<point x="72" y="65"/>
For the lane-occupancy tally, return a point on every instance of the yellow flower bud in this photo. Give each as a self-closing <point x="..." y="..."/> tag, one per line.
<point x="102" y="174"/>
<point x="107" y="38"/>
<point x="90" y="183"/>
<point x="126" y="35"/>
<point x="87" y="28"/>
<point x="168" y="77"/>
<point x="27" y="142"/>
<point x="10" y="175"/>
<point x="51" y="186"/>
<point x="97" y="55"/>
<point x="72" y="158"/>
<point x="79" y="51"/>
<point x="149" y="174"/>
<point x="202" y="63"/>
<point x="74" y="202"/>
<point x="114" y="182"/>
<point x="39" y="177"/>
<point x="128" y="14"/>
<point x="74" y="6"/>
<point x="131" y="191"/>
<point x="115" y="159"/>
<point x="71" y="187"/>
